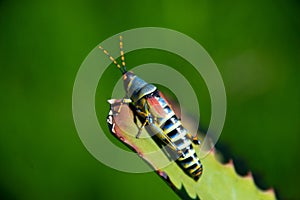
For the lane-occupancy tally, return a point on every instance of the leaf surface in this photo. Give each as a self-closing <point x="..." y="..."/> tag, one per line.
<point x="218" y="181"/>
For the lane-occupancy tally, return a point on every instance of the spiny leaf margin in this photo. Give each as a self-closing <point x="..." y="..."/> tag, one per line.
<point x="219" y="181"/>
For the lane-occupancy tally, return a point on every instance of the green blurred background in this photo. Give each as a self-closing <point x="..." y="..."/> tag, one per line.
<point x="255" y="45"/>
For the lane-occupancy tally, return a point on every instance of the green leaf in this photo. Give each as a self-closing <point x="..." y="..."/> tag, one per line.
<point x="219" y="181"/>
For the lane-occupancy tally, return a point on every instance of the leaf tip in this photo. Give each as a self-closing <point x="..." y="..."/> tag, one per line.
<point x="230" y="163"/>
<point x="249" y="175"/>
<point x="270" y="191"/>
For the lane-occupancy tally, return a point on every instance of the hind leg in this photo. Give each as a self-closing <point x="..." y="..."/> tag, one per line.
<point x="194" y="139"/>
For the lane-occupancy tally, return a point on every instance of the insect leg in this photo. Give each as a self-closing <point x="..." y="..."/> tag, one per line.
<point x="124" y="100"/>
<point x="164" y="137"/>
<point x="194" y="139"/>
<point x="148" y="119"/>
<point x="141" y="128"/>
<point x="120" y="102"/>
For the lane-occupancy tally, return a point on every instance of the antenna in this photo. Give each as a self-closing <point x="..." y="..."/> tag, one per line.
<point x="123" y="68"/>
<point x="122" y="52"/>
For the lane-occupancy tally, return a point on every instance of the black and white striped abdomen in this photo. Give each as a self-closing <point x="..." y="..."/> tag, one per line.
<point x="191" y="163"/>
<point x="172" y="126"/>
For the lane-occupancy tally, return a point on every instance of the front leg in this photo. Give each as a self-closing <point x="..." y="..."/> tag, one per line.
<point x="120" y="102"/>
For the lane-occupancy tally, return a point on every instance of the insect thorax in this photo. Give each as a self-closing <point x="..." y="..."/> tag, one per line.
<point x="138" y="89"/>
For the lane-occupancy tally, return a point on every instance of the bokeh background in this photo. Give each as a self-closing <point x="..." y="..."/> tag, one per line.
<point x="255" y="45"/>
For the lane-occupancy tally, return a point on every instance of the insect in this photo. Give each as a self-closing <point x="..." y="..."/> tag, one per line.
<point x="154" y="112"/>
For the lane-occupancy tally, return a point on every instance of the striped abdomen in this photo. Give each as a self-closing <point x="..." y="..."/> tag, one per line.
<point x="172" y="126"/>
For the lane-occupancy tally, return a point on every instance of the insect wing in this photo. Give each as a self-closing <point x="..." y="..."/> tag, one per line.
<point x="173" y="105"/>
<point x="155" y="107"/>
